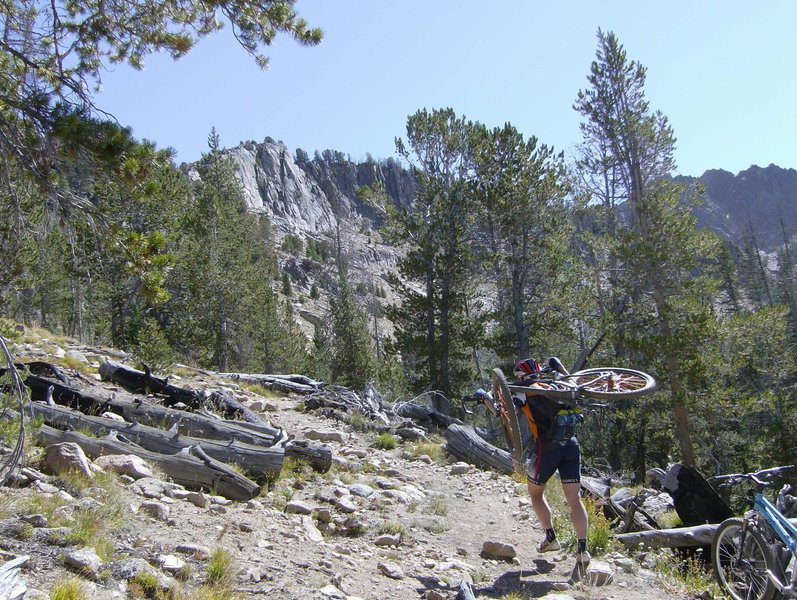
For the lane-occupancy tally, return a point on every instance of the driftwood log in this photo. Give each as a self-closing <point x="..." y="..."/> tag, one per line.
<point x="682" y="537"/>
<point x="191" y="467"/>
<point x="144" y="382"/>
<point x="467" y="445"/>
<point x="298" y="384"/>
<point x="255" y="460"/>
<point x="152" y="414"/>
<point x="188" y="424"/>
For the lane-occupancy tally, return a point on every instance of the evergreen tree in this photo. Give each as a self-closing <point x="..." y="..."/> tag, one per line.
<point x="668" y="318"/>
<point x="224" y="265"/>
<point x="434" y="326"/>
<point x="521" y="190"/>
<point x="352" y="359"/>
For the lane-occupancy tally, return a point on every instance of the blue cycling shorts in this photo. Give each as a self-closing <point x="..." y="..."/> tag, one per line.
<point x="553" y="455"/>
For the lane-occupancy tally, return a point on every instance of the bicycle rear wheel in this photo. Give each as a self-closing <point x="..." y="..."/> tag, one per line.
<point x="612" y="383"/>
<point x="507" y="414"/>
<point x="740" y="561"/>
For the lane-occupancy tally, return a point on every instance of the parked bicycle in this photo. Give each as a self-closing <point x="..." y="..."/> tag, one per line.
<point x="754" y="556"/>
<point x="585" y="387"/>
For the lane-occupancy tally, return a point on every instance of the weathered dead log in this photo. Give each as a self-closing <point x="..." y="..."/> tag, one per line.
<point x="191" y="467"/>
<point x="255" y="460"/>
<point x="465" y="444"/>
<point x="426" y="416"/>
<point x="191" y="424"/>
<point x="298" y="384"/>
<point x="682" y="537"/>
<point x="144" y="382"/>
<point x="341" y="398"/>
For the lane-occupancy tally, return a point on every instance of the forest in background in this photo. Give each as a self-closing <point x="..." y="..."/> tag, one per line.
<point x="510" y="250"/>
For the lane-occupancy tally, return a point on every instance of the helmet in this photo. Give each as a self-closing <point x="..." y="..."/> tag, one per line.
<point x="528" y="368"/>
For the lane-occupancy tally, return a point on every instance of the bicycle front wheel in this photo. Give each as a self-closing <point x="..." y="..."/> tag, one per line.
<point x="612" y="383"/>
<point x="740" y="560"/>
<point x="507" y="414"/>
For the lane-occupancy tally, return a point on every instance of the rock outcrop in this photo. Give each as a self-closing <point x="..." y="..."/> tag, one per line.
<point x="308" y="196"/>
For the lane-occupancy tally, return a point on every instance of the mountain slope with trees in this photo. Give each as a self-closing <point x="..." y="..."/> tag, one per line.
<point x="256" y="260"/>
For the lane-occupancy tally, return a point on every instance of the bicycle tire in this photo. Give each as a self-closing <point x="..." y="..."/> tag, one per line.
<point x="740" y="565"/>
<point x="612" y="383"/>
<point x="507" y="414"/>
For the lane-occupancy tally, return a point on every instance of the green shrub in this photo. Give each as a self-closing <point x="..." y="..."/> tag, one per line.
<point x="69" y="589"/>
<point x="292" y="244"/>
<point x="221" y="568"/>
<point x="385" y="441"/>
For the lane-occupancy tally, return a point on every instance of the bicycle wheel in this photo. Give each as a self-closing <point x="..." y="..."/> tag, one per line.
<point x="740" y="562"/>
<point x="507" y="414"/>
<point x="612" y="383"/>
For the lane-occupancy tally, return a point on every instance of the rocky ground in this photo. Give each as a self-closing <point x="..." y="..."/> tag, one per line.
<point x="383" y="523"/>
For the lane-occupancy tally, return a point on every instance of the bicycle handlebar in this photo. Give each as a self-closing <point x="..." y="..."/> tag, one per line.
<point x="756" y="477"/>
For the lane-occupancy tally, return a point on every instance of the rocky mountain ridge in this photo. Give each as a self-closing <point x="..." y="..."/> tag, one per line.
<point x="309" y="196"/>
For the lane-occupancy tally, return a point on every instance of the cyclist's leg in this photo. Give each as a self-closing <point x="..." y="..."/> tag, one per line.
<point x="540" y="505"/>
<point x="570" y="473"/>
<point x="542" y="466"/>
<point x="578" y="514"/>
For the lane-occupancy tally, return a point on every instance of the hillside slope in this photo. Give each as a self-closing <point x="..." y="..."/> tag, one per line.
<point x="383" y="524"/>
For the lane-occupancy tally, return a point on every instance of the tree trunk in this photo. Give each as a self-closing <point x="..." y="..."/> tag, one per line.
<point x="255" y="460"/>
<point x="190" y="467"/>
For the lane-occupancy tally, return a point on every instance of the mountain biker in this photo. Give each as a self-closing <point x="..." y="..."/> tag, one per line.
<point x="552" y="426"/>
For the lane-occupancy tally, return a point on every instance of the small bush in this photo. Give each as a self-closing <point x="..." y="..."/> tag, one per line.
<point x="437" y="506"/>
<point x="70" y="589"/>
<point x="292" y="244"/>
<point x="436" y="527"/>
<point x="431" y="449"/>
<point x="385" y="441"/>
<point x="144" y="585"/>
<point x="358" y="421"/>
<point x="392" y="528"/>
<point x="221" y="568"/>
<point x="8" y="329"/>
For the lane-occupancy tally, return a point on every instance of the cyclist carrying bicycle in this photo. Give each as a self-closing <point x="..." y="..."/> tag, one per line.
<point x="555" y="448"/>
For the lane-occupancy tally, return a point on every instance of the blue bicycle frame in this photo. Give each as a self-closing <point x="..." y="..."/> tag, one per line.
<point x="787" y="534"/>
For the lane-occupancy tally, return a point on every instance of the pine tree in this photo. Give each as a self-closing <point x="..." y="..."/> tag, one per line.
<point x="434" y="327"/>
<point x="352" y="359"/>
<point x="521" y="188"/>
<point x="668" y="316"/>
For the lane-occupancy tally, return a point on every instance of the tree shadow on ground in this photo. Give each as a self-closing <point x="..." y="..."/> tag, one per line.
<point x="522" y="581"/>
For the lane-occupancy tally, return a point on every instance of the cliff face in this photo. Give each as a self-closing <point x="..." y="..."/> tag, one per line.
<point x="755" y="198"/>
<point x="306" y="196"/>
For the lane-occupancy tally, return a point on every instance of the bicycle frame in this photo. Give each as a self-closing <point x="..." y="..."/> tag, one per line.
<point x="787" y="534"/>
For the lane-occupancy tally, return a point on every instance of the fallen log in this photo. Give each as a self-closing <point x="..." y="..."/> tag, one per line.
<point x="144" y="382"/>
<point x="465" y="444"/>
<point x="255" y="460"/>
<point x="682" y="537"/>
<point x="191" y="467"/>
<point x="427" y="416"/>
<point x="191" y="424"/>
<point x="298" y="384"/>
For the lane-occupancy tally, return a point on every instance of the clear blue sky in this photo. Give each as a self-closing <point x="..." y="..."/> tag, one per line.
<point x="724" y="72"/>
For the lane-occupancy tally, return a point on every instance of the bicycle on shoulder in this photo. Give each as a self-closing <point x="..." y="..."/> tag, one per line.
<point x="553" y="381"/>
<point x="753" y="556"/>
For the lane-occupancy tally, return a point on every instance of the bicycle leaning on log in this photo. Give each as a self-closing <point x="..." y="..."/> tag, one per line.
<point x="754" y="556"/>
